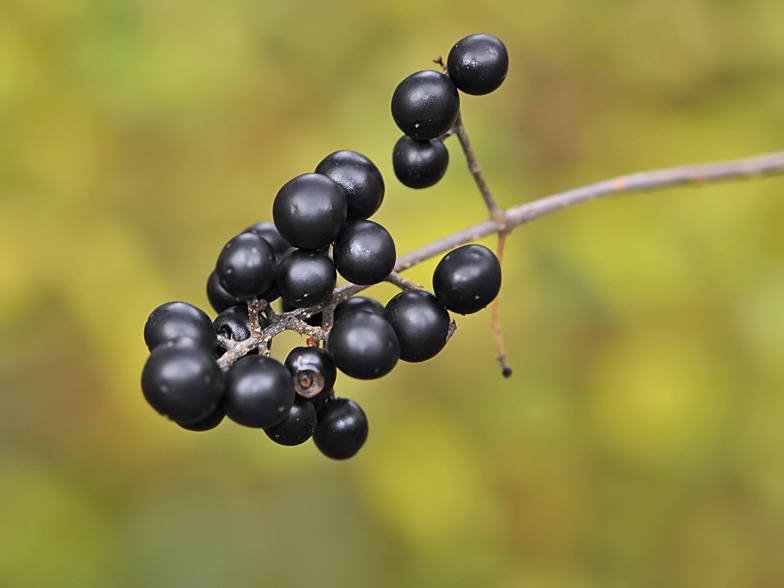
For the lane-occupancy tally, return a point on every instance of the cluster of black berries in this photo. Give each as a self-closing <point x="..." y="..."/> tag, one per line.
<point x="195" y="376"/>
<point x="426" y="106"/>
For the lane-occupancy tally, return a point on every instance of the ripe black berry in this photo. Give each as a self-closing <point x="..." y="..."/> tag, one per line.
<point x="178" y="319"/>
<point x="182" y="381"/>
<point x="425" y="105"/>
<point x="364" y="252"/>
<point x="305" y="278"/>
<point x="360" y="179"/>
<point x="478" y="64"/>
<point x="342" y="429"/>
<point x="259" y="391"/>
<point x="297" y="427"/>
<point x="246" y="266"/>
<point x="207" y="423"/>
<point x="313" y="370"/>
<point x="467" y="279"/>
<point x="362" y="303"/>
<point x="219" y="299"/>
<point x="309" y="211"/>
<point x="419" y="164"/>
<point x="364" y="345"/>
<point x="267" y="231"/>
<point x="421" y="323"/>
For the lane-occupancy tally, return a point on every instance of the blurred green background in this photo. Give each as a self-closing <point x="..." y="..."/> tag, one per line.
<point x="640" y="440"/>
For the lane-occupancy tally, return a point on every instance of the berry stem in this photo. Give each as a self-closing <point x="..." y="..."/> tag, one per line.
<point x="499" y="340"/>
<point x="403" y="283"/>
<point x="768" y="164"/>
<point x="496" y="213"/>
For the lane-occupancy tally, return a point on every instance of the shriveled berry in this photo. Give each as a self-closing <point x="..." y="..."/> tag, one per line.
<point x="364" y="252"/>
<point x="360" y="179"/>
<point x="313" y="370"/>
<point x="421" y="323"/>
<point x="478" y="64"/>
<point x="178" y="319"/>
<point x="467" y="279"/>
<point x="425" y="105"/>
<point x="342" y="429"/>
<point x="419" y="164"/>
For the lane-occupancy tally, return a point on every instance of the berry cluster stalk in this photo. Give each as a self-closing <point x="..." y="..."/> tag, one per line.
<point x="768" y="164"/>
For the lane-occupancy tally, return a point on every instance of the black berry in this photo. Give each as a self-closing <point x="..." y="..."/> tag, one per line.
<point x="425" y="105"/>
<point x="259" y="391"/>
<point x="219" y="299"/>
<point x="478" y="64"/>
<point x="305" y="278"/>
<point x="421" y="323"/>
<point x="267" y="231"/>
<point x="178" y="319"/>
<point x="467" y="279"/>
<point x="419" y="164"/>
<point x="182" y="381"/>
<point x="208" y="423"/>
<point x="360" y="179"/>
<point x="362" y="303"/>
<point x="297" y="427"/>
<point x="364" y="345"/>
<point x="364" y="252"/>
<point x="342" y="429"/>
<point x="234" y="323"/>
<point x="310" y="211"/>
<point x="313" y="370"/>
<point x="246" y="266"/>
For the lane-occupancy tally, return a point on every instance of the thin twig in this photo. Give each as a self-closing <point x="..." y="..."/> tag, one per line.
<point x="696" y="175"/>
<point x="768" y="164"/>
<point x="506" y="371"/>
<point x="496" y="213"/>
<point x="403" y="283"/>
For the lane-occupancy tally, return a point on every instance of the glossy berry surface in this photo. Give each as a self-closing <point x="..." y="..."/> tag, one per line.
<point x="305" y="278"/>
<point x="182" y="381"/>
<point x="259" y="392"/>
<point x="309" y="211"/>
<point x="208" y="423"/>
<point x="362" y="303"/>
<point x="360" y="179"/>
<point x="467" y="279"/>
<point x="342" y="429"/>
<point x="312" y="369"/>
<point x="425" y="105"/>
<point x="478" y="64"/>
<point x="364" y="252"/>
<point x="246" y="266"/>
<point x="421" y="323"/>
<point x="364" y="345"/>
<point x="219" y="299"/>
<point x="419" y="164"/>
<point x="297" y="427"/>
<point x="267" y="231"/>
<point x="178" y="319"/>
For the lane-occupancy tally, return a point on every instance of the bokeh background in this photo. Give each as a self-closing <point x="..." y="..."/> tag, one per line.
<point x="640" y="440"/>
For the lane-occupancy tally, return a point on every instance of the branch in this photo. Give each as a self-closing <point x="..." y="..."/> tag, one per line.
<point x="695" y="175"/>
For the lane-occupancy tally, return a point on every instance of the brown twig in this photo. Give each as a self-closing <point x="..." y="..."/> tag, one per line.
<point x="403" y="283"/>
<point x="696" y="175"/>
<point x="506" y="371"/>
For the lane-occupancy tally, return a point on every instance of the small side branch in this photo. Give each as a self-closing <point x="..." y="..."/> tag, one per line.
<point x="403" y="283"/>
<point x="496" y="213"/>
